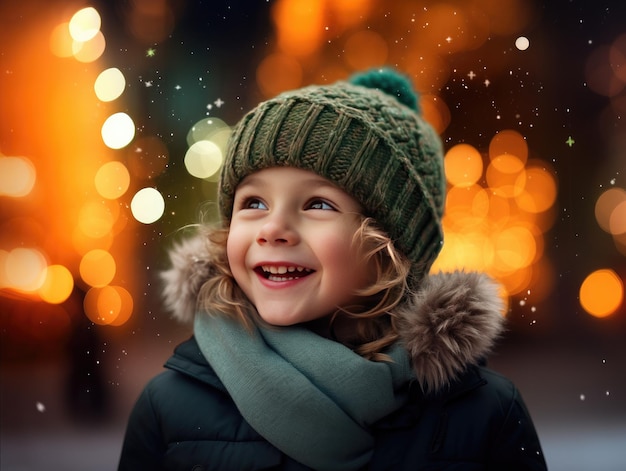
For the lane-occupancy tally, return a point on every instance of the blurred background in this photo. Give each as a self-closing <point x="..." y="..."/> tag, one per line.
<point x="114" y="117"/>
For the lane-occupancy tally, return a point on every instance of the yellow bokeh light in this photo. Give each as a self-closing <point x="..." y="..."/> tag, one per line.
<point x="108" y="305"/>
<point x="97" y="268"/>
<point x="58" y="284"/>
<point x="203" y="159"/>
<point x="205" y="129"/>
<point x="109" y="84"/>
<point x="464" y="165"/>
<point x="118" y="130"/>
<point x="85" y="24"/>
<point x="112" y="180"/>
<point x="17" y="176"/>
<point x="25" y="269"/>
<point x="91" y="50"/>
<point x="147" y="205"/>
<point x="601" y="293"/>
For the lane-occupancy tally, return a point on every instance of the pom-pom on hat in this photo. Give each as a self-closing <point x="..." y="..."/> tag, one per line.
<point x="368" y="137"/>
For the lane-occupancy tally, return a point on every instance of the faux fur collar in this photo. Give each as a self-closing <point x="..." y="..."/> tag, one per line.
<point x="451" y="322"/>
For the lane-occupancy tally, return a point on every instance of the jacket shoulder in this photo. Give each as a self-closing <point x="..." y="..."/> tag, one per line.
<point x="181" y="420"/>
<point x="478" y="422"/>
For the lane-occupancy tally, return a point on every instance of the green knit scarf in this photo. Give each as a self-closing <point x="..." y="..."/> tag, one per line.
<point x="311" y="397"/>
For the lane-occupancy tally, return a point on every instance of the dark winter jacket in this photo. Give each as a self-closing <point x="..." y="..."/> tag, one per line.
<point x="459" y="416"/>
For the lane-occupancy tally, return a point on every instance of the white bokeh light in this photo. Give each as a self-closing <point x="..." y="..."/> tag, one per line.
<point x="110" y="84"/>
<point x="203" y="159"/>
<point x="147" y="205"/>
<point x="85" y="24"/>
<point x="118" y="130"/>
<point x="522" y="43"/>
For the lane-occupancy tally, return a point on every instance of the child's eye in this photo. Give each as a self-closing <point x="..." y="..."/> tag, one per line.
<point x="253" y="203"/>
<point x="320" y="204"/>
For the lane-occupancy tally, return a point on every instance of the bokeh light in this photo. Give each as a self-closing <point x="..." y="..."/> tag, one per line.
<point x="109" y="84"/>
<point x="206" y="129"/>
<point x="147" y="205"/>
<point x="85" y="24"/>
<point x="464" y="165"/>
<point x="108" y="305"/>
<point x="492" y="221"/>
<point x="97" y="268"/>
<point x="617" y="222"/>
<point x="24" y="269"/>
<point x="58" y="284"/>
<point x="112" y="180"/>
<point x="118" y="130"/>
<point x="91" y="50"/>
<point x="300" y="26"/>
<point x="609" y="210"/>
<point x="96" y="218"/>
<point x="203" y="159"/>
<point x="540" y="190"/>
<point x="601" y="293"/>
<point x="522" y="43"/>
<point x="17" y="176"/>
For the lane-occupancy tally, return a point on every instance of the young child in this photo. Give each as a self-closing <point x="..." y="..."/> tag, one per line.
<point x="320" y="339"/>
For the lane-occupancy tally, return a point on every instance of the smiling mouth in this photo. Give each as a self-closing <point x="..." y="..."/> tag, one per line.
<point x="283" y="273"/>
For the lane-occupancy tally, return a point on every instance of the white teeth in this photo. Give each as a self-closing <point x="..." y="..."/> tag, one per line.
<point x="281" y="270"/>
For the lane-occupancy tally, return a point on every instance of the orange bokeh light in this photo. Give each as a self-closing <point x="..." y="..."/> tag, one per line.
<point x="97" y="268"/>
<point x="299" y="25"/>
<point x="464" y="165"/>
<point x="58" y="284"/>
<point x="601" y="293"/>
<point x="108" y="305"/>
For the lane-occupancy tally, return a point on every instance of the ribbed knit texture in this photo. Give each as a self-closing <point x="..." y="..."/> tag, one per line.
<point x="364" y="140"/>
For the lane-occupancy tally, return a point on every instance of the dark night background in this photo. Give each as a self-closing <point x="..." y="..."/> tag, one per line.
<point x="569" y="365"/>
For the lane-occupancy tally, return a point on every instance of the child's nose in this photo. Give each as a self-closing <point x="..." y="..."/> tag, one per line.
<point x="277" y="230"/>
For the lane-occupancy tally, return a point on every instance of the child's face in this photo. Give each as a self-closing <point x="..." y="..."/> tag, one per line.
<point x="290" y="245"/>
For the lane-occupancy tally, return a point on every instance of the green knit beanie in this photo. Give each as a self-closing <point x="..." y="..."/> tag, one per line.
<point x="368" y="137"/>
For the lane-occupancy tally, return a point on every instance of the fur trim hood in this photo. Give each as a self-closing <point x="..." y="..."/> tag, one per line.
<point x="451" y="322"/>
